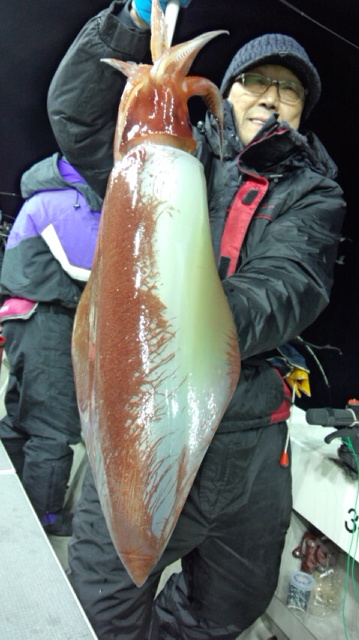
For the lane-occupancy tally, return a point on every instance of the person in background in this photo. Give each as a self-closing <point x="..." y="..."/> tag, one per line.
<point x="47" y="261"/>
<point x="276" y="213"/>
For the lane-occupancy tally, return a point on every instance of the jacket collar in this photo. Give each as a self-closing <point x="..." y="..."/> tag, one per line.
<point x="276" y="147"/>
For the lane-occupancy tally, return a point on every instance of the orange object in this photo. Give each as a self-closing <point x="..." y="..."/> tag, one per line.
<point x="284" y="459"/>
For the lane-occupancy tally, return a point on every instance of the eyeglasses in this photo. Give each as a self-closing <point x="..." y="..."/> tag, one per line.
<point x="288" y="90"/>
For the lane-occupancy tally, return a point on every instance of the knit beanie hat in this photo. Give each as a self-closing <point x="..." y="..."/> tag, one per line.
<point x="276" y="48"/>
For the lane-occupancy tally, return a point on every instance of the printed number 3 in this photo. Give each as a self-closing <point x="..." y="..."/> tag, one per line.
<point x="352" y="525"/>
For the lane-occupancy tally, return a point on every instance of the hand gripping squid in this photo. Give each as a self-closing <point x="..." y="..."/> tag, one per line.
<point x="155" y="350"/>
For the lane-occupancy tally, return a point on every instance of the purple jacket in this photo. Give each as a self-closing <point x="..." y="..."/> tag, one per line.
<point x="50" y="249"/>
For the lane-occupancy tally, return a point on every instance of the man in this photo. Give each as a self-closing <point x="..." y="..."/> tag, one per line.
<point x="48" y="257"/>
<point x="276" y="267"/>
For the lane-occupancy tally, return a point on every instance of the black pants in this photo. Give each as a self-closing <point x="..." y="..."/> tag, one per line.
<point x="42" y="416"/>
<point x="230" y="536"/>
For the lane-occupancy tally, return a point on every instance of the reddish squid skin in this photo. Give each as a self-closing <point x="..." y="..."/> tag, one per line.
<point x="126" y="350"/>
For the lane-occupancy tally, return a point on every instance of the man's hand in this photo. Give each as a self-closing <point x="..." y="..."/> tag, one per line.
<point x="143" y="10"/>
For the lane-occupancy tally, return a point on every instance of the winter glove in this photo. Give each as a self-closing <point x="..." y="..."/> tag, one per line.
<point x="143" y="8"/>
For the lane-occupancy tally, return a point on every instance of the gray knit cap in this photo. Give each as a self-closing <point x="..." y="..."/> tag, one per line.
<point x="276" y="48"/>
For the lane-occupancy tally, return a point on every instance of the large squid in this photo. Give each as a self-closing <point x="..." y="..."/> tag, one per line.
<point x="155" y="349"/>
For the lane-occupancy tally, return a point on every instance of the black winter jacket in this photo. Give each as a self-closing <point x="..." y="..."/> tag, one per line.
<point x="285" y="269"/>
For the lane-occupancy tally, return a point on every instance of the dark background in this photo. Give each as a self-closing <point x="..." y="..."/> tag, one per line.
<point x="34" y="34"/>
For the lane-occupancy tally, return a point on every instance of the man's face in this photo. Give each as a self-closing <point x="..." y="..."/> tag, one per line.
<point x="251" y="111"/>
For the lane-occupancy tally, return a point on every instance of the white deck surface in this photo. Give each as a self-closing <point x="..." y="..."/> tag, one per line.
<point x="36" y="600"/>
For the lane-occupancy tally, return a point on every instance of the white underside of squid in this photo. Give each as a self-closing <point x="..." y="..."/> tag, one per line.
<point x="192" y="372"/>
